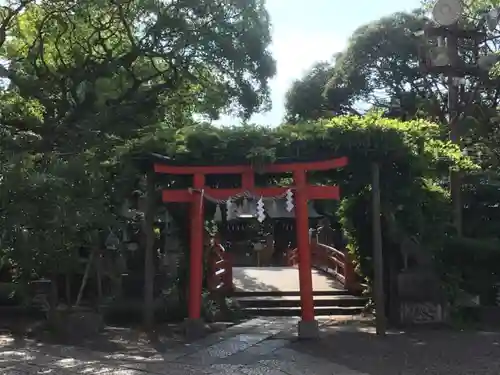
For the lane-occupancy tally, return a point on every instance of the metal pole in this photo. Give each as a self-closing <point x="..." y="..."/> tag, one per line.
<point x="378" y="264"/>
<point x="453" y="101"/>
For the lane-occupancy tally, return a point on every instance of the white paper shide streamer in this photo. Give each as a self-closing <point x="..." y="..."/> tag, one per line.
<point x="289" y="201"/>
<point x="261" y="215"/>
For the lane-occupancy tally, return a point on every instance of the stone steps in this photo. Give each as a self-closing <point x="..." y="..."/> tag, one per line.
<point x="282" y="293"/>
<point x="277" y="303"/>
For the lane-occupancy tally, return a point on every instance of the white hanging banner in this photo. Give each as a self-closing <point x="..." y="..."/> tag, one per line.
<point x="289" y="200"/>
<point x="261" y="215"/>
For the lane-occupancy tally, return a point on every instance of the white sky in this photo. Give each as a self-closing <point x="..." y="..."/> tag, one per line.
<point x="305" y="32"/>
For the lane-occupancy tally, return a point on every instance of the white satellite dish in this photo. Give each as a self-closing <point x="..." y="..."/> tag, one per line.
<point x="447" y="12"/>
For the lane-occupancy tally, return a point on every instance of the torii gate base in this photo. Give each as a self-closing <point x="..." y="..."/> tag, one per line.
<point x="308" y="326"/>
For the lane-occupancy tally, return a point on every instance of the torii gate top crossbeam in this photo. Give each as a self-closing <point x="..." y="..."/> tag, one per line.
<point x="248" y="179"/>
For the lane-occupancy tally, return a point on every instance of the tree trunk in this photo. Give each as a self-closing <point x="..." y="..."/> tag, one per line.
<point x="378" y="258"/>
<point x="149" y="269"/>
<point x="85" y="277"/>
<point x="67" y="280"/>
<point x="53" y="301"/>
<point x="99" y="279"/>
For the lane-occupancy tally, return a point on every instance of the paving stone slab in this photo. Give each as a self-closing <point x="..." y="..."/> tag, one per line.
<point x="170" y="368"/>
<point x="295" y="363"/>
<point x="261" y="370"/>
<point x="261" y="326"/>
<point x="226" y="369"/>
<point x="212" y="339"/>
<point x="113" y="371"/>
<point x="253" y="354"/>
<point x="127" y="358"/>
<point x="231" y="369"/>
<point x="224" y="349"/>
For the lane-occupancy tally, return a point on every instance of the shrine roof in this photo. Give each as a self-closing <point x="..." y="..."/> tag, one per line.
<point x="167" y="160"/>
<point x="166" y="164"/>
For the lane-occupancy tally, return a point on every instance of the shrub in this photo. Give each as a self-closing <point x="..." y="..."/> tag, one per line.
<point x="472" y="265"/>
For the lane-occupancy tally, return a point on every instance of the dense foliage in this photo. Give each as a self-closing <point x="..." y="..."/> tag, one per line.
<point x="83" y="78"/>
<point x="411" y="156"/>
<point x="380" y="69"/>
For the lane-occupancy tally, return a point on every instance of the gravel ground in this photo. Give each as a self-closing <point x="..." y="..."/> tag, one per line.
<point x="415" y="352"/>
<point x="348" y="342"/>
<point x="130" y="340"/>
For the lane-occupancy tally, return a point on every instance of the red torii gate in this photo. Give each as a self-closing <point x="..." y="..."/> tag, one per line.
<point x="308" y="327"/>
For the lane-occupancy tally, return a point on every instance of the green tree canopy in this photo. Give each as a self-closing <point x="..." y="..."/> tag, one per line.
<point x="412" y="156"/>
<point x="82" y="79"/>
<point x="379" y="65"/>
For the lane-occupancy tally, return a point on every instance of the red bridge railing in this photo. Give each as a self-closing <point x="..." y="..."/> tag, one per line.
<point x="335" y="262"/>
<point x="332" y="261"/>
<point x="220" y="277"/>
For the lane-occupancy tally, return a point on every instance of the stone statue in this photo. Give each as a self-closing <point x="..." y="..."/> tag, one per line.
<point x="419" y="295"/>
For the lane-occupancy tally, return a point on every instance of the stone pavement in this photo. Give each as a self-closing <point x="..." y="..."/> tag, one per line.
<point x="258" y="346"/>
<point x="283" y="279"/>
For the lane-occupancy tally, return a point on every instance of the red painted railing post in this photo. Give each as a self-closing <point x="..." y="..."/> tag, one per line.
<point x="228" y="272"/>
<point x="210" y="269"/>
<point x="291" y="255"/>
<point x="315" y="255"/>
<point x="349" y="273"/>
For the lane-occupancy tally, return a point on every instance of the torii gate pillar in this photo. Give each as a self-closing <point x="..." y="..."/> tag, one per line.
<point x="195" y="324"/>
<point x="308" y="326"/>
